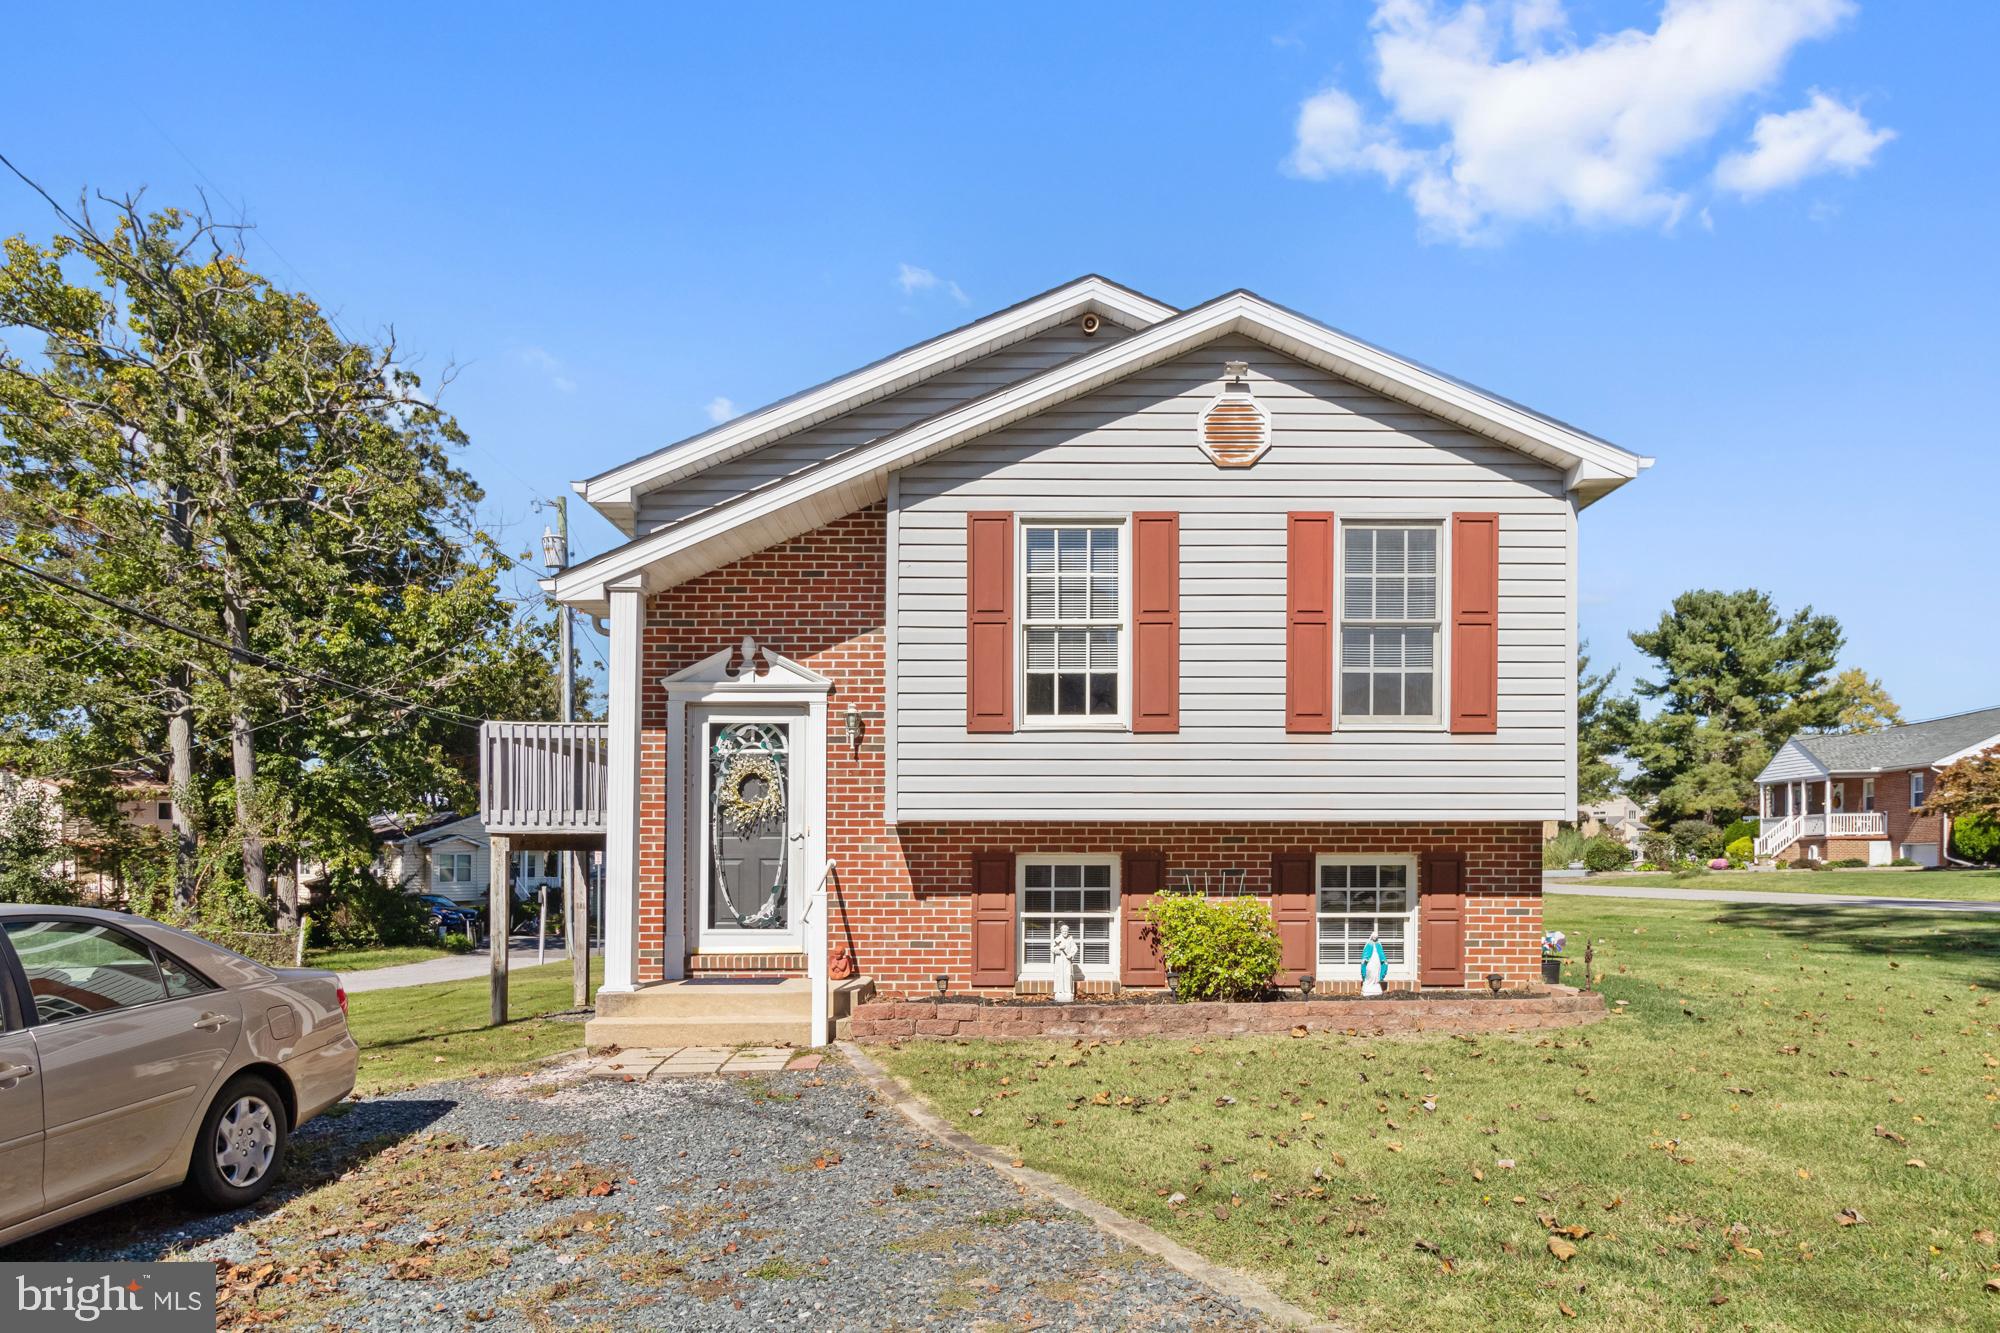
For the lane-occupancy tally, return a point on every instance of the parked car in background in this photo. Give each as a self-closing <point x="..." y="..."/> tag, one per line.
<point x="135" y="1057"/>
<point x="450" y="918"/>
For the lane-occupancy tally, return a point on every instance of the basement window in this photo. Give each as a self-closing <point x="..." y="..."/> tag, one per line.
<point x="1078" y="891"/>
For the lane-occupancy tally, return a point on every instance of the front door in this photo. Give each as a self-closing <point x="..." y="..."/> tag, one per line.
<point x="746" y="829"/>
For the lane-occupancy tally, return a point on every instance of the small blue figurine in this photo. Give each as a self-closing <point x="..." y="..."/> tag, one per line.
<point x="1371" y="952"/>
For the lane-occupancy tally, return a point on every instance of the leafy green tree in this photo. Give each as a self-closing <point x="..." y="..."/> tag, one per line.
<point x="1737" y="679"/>
<point x="1865" y="704"/>
<point x="31" y="849"/>
<point x="203" y="447"/>
<point x="1603" y="722"/>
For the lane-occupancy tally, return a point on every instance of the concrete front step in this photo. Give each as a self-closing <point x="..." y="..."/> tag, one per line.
<point x="676" y="1014"/>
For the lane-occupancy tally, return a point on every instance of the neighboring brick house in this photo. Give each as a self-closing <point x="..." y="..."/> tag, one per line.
<point x="1855" y="796"/>
<point x="1087" y="601"/>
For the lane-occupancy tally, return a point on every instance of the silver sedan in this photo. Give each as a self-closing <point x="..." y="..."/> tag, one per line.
<point x="135" y="1057"/>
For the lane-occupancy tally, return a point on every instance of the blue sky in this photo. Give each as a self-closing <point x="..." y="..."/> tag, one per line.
<point x="1753" y="239"/>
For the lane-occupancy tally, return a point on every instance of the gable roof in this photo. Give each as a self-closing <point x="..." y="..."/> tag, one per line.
<point x="781" y="509"/>
<point x="615" y="493"/>
<point x="1912" y="745"/>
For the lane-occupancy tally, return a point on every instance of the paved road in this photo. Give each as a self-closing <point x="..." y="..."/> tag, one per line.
<point x="453" y="967"/>
<point x="1776" y="899"/>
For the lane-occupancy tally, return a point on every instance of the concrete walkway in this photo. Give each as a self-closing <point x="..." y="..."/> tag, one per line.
<point x="1772" y="899"/>
<point x="452" y="967"/>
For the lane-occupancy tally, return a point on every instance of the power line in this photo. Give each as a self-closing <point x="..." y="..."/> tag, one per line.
<point x="249" y="655"/>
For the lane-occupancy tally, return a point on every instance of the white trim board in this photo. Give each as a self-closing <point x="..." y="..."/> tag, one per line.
<point x="615" y="493"/>
<point x="850" y="481"/>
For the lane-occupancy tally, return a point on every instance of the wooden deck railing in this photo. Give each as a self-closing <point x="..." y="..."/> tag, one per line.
<point x="542" y="777"/>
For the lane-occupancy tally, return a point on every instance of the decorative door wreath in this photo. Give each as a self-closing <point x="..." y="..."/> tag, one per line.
<point x="740" y="810"/>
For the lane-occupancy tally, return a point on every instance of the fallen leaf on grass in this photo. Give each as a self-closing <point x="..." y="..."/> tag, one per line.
<point x="1567" y="1312"/>
<point x="1884" y="1132"/>
<point x="1985" y="1237"/>
<point x="1299" y="1030"/>
<point x="1561" y="1249"/>
<point x="1427" y="1246"/>
<point x="1851" y="1217"/>
<point x="1917" y="1162"/>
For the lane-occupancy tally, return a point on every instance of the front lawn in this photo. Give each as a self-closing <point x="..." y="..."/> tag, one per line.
<point x="1696" y="1151"/>
<point x="422" y="1034"/>
<point x="1877" y="882"/>
<point x="364" y="960"/>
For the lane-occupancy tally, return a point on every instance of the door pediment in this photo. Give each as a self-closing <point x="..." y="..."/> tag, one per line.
<point x="746" y="671"/>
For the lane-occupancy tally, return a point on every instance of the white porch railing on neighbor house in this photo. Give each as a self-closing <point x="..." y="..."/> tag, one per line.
<point x="542" y="777"/>
<point x="1782" y="831"/>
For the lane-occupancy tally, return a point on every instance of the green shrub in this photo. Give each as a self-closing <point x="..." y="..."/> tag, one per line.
<point x="358" y="910"/>
<point x="1742" y="828"/>
<point x="1976" y="837"/>
<point x="1819" y="865"/>
<point x="1218" y="949"/>
<point x="1696" y="840"/>
<point x="1848" y="863"/>
<point x="1740" y="850"/>
<point x="1902" y="861"/>
<point x="456" y="943"/>
<point x="1565" y="849"/>
<point x="1606" y="853"/>
<point x="1658" y="848"/>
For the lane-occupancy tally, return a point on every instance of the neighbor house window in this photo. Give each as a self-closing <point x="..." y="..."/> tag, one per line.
<point x="1080" y="892"/>
<point x="1916" y="790"/>
<point x="1360" y="894"/>
<point x="164" y="811"/>
<point x="1071" y="601"/>
<point x="1389" y="622"/>
<point x="453" y="867"/>
<point x="1868" y="794"/>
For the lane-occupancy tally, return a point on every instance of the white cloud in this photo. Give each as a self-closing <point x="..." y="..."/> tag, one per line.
<point x="720" y="409"/>
<point x="550" y="365"/>
<point x="1822" y="135"/>
<point x="913" y="280"/>
<point x="1480" y="139"/>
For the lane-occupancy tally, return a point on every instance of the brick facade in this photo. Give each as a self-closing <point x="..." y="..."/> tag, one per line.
<point x="1892" y="801"/>
<point x="902" y="903"/>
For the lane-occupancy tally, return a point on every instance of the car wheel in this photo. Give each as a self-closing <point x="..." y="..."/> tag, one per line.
<point x="240" y="1149"/>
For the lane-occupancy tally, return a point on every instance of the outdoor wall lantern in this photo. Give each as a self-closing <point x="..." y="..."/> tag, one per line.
<point x="854" y="726"/>
<point x="943" y="983"/>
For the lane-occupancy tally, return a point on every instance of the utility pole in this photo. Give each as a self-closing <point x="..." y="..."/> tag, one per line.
<point x="575" y="882"/>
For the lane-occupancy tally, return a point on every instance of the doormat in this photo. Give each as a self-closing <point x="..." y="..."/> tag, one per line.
<point x="732" y="981"/>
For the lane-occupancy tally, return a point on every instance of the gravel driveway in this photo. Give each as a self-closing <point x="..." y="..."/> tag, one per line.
<point x="551" y="1201"/>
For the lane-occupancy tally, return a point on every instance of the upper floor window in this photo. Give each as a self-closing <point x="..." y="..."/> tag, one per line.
<point x="1916" y="789"/>
<point x="1072" y="604"/>
<point x="1389" y="622"/>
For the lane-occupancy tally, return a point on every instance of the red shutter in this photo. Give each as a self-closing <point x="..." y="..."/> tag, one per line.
<point x="1309" y="622"/>
<point x="989" y="622"/>
<point x="993" y="918"/>
<point x="1292" y="900"/>
<point x="1441" y="919"/>
<point x="1139" y="961"/>
<point x="1156" y="622"/>
<point x="1475" y="622"/>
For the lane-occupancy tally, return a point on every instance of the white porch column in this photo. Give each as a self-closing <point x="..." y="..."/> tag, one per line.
<point x="621" y="786"/>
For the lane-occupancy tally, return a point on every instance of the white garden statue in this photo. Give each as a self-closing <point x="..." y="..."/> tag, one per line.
<point x="1063" y="952"/>
<point x="1371" y="952"/>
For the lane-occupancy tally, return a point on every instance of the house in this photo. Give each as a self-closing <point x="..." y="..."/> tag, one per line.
<point x="1856" y="795"/>
<point x="1089" y="600"/>
<point x="449" y="854"/>
<point x="1619" y="816"/>
<point x="93" y="861"/>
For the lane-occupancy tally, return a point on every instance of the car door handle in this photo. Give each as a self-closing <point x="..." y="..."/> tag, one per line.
<point x="15" y="1073"/>
<point x="211" y="1022"/>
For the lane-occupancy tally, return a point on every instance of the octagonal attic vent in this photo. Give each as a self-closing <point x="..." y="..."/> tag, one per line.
<point x="1235" y="429"/>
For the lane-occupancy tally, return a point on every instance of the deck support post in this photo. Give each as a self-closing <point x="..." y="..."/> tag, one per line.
<point x="499" y="923"/>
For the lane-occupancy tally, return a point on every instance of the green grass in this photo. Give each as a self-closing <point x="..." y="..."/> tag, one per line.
<point x="1950" y="885"/>
<point x="1740" y="1086"/>
<point x="424" y="1034"/>
<point x="363" y="960"/>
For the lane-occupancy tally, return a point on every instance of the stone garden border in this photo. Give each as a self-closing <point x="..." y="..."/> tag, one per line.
<point x="1558" y="1007"/>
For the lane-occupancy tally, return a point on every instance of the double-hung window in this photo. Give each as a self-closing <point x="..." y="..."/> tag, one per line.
<point x="1916" y="788"/>
<point x="1868" y="794"/>
<point x="1362" y="894"/>
<point x="1077" y="891"/>
<point x="1072" y="621"/>
<point x="1389" y="622"/>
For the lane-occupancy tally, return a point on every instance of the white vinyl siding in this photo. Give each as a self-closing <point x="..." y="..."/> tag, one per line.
<point x="815" y="444"/>
<point x="1131" y="448"/>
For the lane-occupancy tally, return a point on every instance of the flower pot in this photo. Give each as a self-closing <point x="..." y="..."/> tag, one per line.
<point x="1552" y="969"/>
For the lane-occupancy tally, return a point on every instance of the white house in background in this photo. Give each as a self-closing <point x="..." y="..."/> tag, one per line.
<point x="452" y="855"/>
<point x="1620" y="816"/>
<point x="1834" y="798"/>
